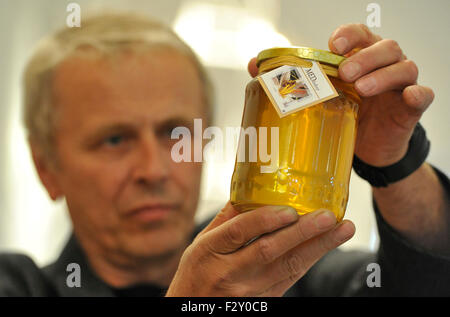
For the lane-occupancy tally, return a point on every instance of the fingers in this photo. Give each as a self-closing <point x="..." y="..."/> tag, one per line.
<point x="224" y="215"/>
<point x="413" y="101"/>
<point x="418" y="99"/>
<point x="286" y="246"/>
<point x="380" y="54"/>
<point x="270" y="247"/>
<point x="294" y="264"/>
<point x="392" y="77"/>
<point x="252" y="68"/>
<point x="246" y="226"/>
<point x="299" y="260"/>
<point x="379" y="68"/>
<point x="350" y="36"/>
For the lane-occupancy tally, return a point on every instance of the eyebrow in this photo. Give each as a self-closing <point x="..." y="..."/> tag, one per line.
<point x="176" y="122"/>
<point x="129" y="127"/>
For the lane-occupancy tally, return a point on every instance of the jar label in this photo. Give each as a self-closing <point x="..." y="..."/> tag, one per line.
<point x="293" y="88"/>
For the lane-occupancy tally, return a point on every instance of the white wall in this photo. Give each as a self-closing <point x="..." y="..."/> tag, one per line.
<point x="30" y="223"/>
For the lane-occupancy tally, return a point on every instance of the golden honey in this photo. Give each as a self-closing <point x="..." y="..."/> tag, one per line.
<point x="316" y="145"/>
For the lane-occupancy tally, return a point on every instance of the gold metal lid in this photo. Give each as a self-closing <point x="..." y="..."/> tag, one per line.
<point x="302" y="52"/>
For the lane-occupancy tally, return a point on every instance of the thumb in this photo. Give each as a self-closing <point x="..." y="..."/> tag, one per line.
<point x="223" y="216"/>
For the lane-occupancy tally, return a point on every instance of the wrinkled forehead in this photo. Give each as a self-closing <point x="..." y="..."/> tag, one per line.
<point x="152" y="85"/>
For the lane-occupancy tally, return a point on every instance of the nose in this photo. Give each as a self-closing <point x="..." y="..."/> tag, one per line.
<point x="152" y="167"/>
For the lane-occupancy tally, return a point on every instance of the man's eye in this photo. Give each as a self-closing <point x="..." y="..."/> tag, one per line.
<point x="166" y="131"/>
<point x="114" y="140"/>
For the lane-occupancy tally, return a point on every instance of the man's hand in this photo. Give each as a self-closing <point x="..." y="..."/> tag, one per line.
<point x="262" y="252"/>
<point x="392" y="102"/>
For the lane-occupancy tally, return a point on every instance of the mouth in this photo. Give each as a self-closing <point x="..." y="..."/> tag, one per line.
<point x="151" y="212"/>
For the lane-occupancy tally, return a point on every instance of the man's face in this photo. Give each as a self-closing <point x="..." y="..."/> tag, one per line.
<point x="113" y="124"/>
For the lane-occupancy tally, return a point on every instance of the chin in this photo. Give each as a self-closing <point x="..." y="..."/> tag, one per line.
<point x="156" y="242"/>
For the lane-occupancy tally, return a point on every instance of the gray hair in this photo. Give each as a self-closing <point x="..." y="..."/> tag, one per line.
<point x="107" y="33"/>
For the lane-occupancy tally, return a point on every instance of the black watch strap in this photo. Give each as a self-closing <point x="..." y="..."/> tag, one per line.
<point x="418" y="149"/>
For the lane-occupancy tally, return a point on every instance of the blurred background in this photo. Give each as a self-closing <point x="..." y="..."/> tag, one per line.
<point x="225" y="34"/>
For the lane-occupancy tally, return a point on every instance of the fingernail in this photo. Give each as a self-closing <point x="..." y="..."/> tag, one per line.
<point x="351" y="70"/>
<point x="366" y="85"/>
<point x="324" y="219"/>
<point x="344" y="232"/>
<point x="287" y="214"/>
<point x="340" y="44"/>
<point x="416" y="93"/>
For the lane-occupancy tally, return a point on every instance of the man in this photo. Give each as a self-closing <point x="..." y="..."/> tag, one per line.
<point x="100" y="104"/>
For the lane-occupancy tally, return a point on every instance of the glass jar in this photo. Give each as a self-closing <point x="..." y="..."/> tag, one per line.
<point x="316" y="144"/>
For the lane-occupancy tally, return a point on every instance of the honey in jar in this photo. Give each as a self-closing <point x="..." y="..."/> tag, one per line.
<point x="315" y="144"/>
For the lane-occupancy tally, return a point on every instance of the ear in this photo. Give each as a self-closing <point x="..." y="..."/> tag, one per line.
<point x="46" y="170"/>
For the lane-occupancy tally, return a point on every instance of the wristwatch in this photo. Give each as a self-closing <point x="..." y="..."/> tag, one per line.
<point x="418" y="149"/>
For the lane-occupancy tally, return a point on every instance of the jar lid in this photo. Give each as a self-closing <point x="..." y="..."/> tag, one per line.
<point x="302" y="52"/>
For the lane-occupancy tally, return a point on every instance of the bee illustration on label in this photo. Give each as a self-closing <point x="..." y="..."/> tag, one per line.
<point x="291" y="86"/>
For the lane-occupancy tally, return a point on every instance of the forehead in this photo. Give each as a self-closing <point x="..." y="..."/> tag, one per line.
<point x="146" y="86"/>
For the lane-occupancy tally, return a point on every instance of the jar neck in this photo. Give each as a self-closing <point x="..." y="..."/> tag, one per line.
<point x="272" y="63"/>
